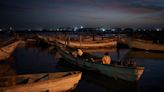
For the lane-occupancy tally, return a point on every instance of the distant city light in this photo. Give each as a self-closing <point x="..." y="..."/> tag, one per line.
<point x="158" y="29"/>
<point x="0" y="29"/>
<point x="29" y="29"/>
<point x="103" y="29"/>
<point x="75" y="28"/>
<point x="81" y="27"/>
<point x="40" y="29"/>
<point x="11" y="28"/>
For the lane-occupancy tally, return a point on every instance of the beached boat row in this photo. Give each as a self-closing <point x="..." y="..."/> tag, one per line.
<point x="110" y="43"/>
<point x="64" y="81"/>
<point x="128" y="73"/>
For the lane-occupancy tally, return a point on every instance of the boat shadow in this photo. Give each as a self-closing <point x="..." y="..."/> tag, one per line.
<point x="95" y="78"/>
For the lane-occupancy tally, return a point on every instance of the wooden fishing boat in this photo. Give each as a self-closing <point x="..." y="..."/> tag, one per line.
<point x="110" y="84"/>
<point x="90" y="44"/>
<point x="6" y="51"/>
<point x="129" y="73"/>
<point x="7" y="40"/>
<point x="109" y="43"/>
<point x="43" y="82"/>
<point x="42" y="37"/>
<point x="145" y="45"/>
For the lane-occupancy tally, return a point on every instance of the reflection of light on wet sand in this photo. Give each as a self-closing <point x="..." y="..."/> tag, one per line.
<point x="143" y="54"/>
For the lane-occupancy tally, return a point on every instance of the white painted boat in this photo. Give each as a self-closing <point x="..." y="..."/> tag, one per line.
<point x="90" y="44"/>
<point x="43" y="82"/>
<point x="110" y="43"/>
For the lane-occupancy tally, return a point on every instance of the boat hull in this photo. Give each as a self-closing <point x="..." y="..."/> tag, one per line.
<point x="117" y="72"/>
<point x="6" y="51"/>
<point x="145" y="45"/>
<point x="55" y="83"/>
<point x="96" y="44"/>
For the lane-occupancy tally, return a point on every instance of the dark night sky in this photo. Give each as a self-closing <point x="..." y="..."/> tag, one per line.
<point x="89" y="13"/>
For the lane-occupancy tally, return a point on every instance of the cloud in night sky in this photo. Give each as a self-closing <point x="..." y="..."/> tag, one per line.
<point x="90" y="13"/>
